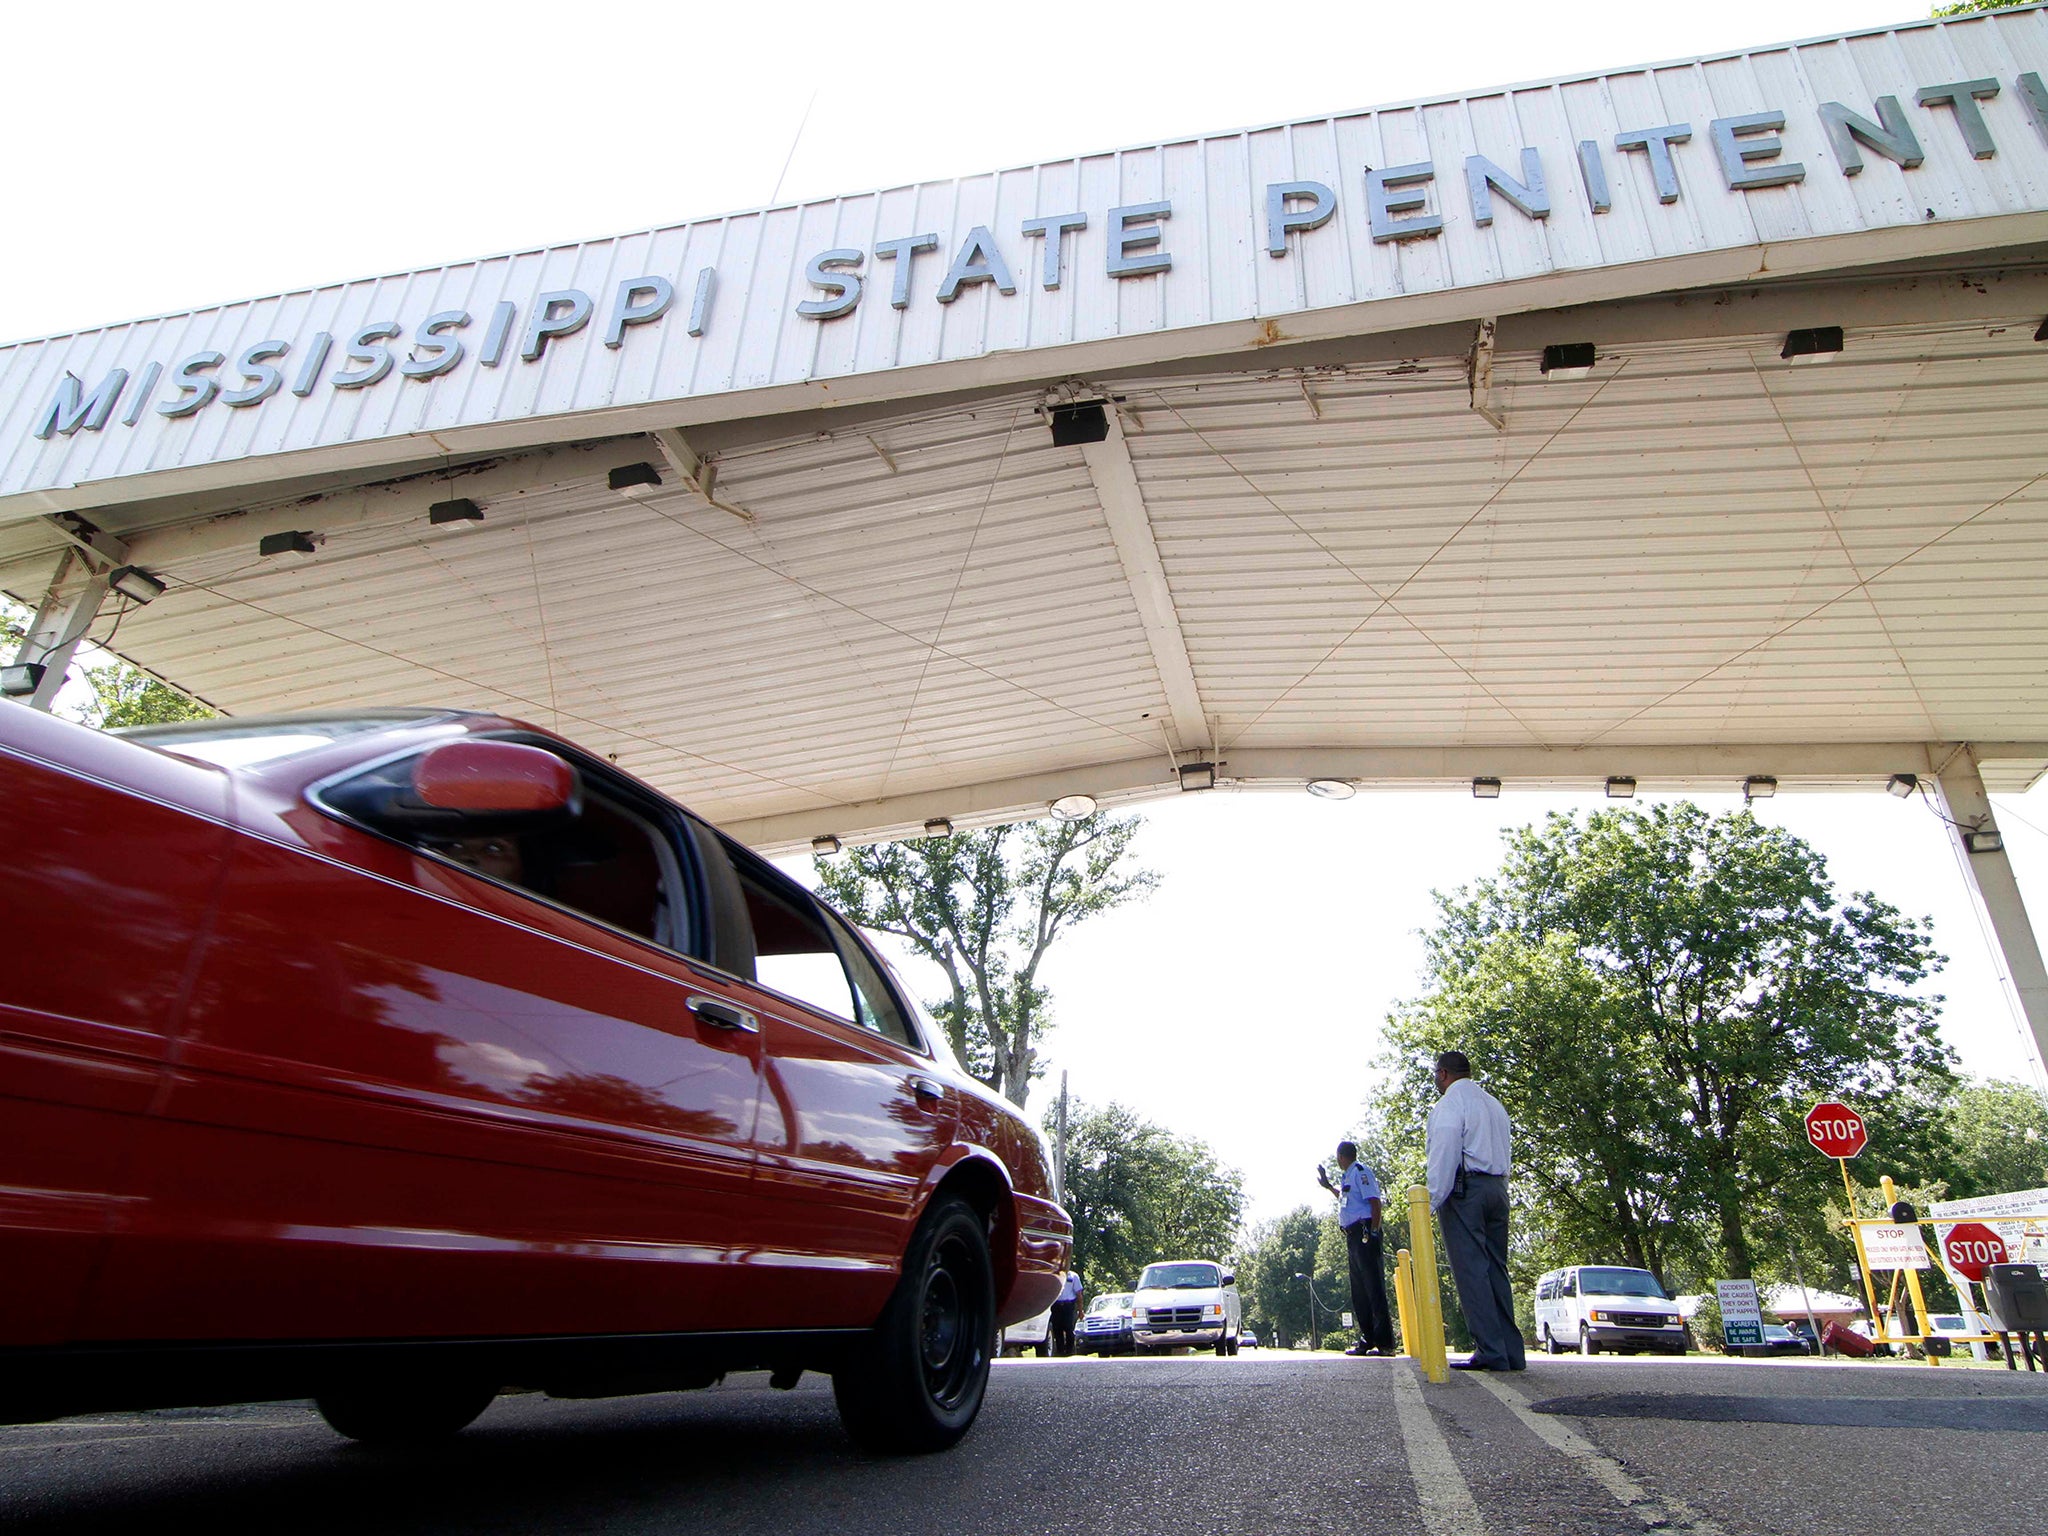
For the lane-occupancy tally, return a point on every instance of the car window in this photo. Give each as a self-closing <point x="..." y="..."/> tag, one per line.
<point x="871" y="995"/>
<point x="1570" y="1286"/>
<point x="612" y="861"/>
<point x="793" y="952"/>
<point x="251" y="743"/>
<point x="1621" y="1282"/>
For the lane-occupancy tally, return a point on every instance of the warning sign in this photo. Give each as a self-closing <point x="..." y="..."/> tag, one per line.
<point x="1889" y="1247"/>
<point x="1742" y="1319"/>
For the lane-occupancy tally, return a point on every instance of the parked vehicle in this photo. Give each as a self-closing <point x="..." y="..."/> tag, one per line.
<point x="389" y="1057"/>
<point x="1192" y="1302"/>
<point x="1033" y="1334"/>
<point x="1106" y="1328"/>
<point x="1246" y="1339"/>
<point x="1593" y="1307"/>
<point x="1780" y="1340"/>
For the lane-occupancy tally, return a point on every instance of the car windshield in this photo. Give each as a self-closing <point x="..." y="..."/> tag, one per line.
<point x="1178" y="1277"/>
<point x="252" y="742"/>
<point x="1117" y="1303"/>
<point x="1948" y="1320"/>
<point x="1620" y="1282"/>
<point x="1774" y="1331"/>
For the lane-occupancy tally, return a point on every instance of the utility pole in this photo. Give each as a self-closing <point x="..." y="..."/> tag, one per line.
<point x="1315" y="1338"/>
<point x="1059" y="1160"/>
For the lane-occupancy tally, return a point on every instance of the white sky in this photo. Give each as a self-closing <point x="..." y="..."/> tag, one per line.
<point x="158" y="157"/>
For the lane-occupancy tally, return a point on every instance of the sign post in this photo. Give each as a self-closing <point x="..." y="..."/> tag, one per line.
<point x="1837" y="1131"/>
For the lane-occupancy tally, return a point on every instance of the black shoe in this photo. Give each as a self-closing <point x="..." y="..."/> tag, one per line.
<point x="1470" y="1365"/>
<point x="1358" y="1349"/>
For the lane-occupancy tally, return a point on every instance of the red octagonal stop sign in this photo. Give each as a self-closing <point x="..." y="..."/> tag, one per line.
<point x="1971" y="1246"/>
<point x="1836" y="1129"/>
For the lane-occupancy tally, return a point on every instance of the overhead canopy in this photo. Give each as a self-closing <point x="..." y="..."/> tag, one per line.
<point x="1418" y="499"/>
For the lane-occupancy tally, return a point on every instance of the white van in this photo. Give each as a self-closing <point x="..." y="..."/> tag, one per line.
<point x="1592" y="1307"/>
<point x="1192" y="1302"/>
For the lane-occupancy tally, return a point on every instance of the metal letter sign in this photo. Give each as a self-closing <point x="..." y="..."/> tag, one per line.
<point x="1835" y="1129"/>
<point x="1970" y="1247"/>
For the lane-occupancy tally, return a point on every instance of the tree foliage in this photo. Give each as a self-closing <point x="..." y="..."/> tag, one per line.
<point x="1657" y="995"/>
<point x="1303" y="1242"/>
<point x="1966" y="7"/>
<point x="986" y="907"/>
<point x="1140" y="1194"/>
<point x="1996" y="1139"/>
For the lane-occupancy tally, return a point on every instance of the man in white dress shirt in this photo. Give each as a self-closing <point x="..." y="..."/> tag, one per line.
<point x="1468" y="1156"/>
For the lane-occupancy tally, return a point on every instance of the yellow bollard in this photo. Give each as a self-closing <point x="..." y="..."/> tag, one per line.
<point x="1429" y="1306"/>
<point x="1404" y="1302"/>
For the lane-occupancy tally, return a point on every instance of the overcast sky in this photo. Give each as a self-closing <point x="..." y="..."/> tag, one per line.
<point x="160" y="157"/>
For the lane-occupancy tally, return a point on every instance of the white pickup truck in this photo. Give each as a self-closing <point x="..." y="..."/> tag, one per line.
<point x="1190" y="1302"/>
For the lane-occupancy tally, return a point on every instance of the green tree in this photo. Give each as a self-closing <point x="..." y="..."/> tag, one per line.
<point x="1997" y="1139"/>
<point x="126" y="695"/>
<point x="1965" y="7"/>
<point x="1303" y="1242"/>
<point x="986" y="907"/>
<point x="1140" y="1194"/>
<point x="1657" y="996"/>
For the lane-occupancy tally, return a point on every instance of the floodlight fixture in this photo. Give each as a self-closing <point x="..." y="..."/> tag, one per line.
<point x="826" y="844"/>
<point x="1486" y="789"/>
<point x="296" y="541"/>
<point x="460" y="510"/>
<point x="1903" y="785"/>
<point x="1621" y="786"/>
<point x="939" y="826"/>
<point x="1085" y="421"/>
<point x="1073" y="807"/>
<point x="1759" y="786"/>
<point x="634" y="479"/>
<point x="21" y="679"/>
<point x="1572" y="360"/>
<point x="1332" y="789"/>
<point x="2041" y="332"/>
<point x="135" y="584"/>
<point x="1821" y="344"/>
<point x="1984" y="840"/>
<point x="1197" y="776"/>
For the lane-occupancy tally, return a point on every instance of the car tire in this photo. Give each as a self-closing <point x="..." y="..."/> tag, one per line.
<point x="917" y="1381"/>
<point x="1222" y="1348"/>
<point x="408" y="1413"/>
<point x="1549" y="1342"/>
<point x="1586" y="1344"/>
<point x="1041" y="1349"/>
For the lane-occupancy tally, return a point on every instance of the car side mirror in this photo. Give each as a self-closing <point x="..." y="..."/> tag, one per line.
<point x="1230" y="1279"/>
<point x="458" y="789"/>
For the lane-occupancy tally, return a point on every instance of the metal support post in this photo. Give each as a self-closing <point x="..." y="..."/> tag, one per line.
<point x="1959" y="791"/>
<point x="1429" y="1306"/>
<point x="70" y="603"/>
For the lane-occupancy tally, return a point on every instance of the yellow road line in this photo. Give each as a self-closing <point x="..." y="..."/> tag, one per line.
<point x="1440" y="1489"/>
<point x="1663" y="1514"/>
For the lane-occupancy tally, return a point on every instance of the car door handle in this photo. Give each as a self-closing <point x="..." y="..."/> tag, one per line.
<point x="724" y="1016"/>
<point x="926" y="1089"/>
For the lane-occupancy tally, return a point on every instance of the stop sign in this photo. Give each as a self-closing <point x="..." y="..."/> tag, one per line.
<point x="1835" y="1129"/>
<point x="1971" y="1246"/>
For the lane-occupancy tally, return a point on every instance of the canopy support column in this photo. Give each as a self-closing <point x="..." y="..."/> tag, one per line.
<point x="1959" y="790"/>
<point x="1130" y="526"/>
<point x="70" y="603"/>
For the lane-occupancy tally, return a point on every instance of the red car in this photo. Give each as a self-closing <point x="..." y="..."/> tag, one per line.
<point x="393" y="1058"/>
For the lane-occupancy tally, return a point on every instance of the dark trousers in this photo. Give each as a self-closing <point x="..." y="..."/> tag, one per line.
<point x="1061" y="1328"/>
<point x="1366" y="1250"/>
<point x="1475" y="1227"/>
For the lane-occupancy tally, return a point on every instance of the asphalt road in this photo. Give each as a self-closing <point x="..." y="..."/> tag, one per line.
<point x="1187" y="1446"/>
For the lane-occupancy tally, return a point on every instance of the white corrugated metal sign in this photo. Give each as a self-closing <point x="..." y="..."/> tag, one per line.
<point x="1886" y="144"/>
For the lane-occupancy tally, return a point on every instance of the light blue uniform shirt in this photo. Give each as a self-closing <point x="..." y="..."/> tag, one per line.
<point x="1359" y="1188"/>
